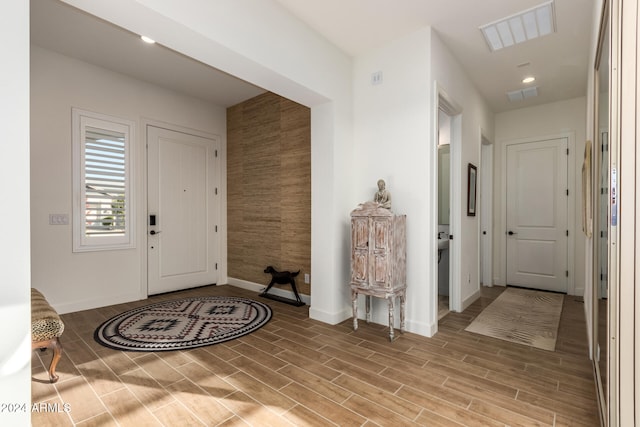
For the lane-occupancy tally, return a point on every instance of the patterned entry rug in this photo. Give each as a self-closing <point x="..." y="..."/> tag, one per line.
<point x="182" y="324"/>
<point x="522" y="316"/>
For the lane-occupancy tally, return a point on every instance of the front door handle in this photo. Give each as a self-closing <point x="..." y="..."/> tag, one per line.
<point x="153" y="232"/>
<point x="511" y="233"/>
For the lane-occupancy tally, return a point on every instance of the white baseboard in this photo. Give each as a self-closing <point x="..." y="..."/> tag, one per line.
<point x="423" y="329"/>
<point x="89" y="304"/>
<point x="470" y="300"/>
<point x="256" y="287"/>
<point x="330" y="318"/>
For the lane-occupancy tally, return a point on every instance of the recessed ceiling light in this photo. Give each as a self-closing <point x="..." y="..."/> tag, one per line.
<point x="147" y="39"/>
<point x="529" y="79"/>
<point x="529" y="24"/>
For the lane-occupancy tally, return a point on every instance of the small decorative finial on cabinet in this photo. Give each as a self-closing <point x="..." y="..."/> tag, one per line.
<point x="378" y="259"/>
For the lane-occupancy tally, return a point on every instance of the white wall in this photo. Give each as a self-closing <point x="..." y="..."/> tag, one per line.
<point x="262" y="43"/>
<point x="477" y="121"/>
<point x="15" y="352"/>
<point x="395" y="140"/>
<point x="392" y="140"/>
<point x="77" y="281"/>
<point x="544" y="120"/>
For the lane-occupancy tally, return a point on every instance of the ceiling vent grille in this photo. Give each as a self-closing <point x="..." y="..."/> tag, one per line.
<point x="520" y="94"/>
<point x="529" y="24"/>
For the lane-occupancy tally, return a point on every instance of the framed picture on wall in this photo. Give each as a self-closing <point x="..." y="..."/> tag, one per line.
<point x="472" y="180"/>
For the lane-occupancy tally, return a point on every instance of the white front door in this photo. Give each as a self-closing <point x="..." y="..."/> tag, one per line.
<point x="182" y="251"/>
<point x="537" y="196"/>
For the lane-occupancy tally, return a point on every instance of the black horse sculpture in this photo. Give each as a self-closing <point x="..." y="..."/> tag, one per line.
<point x="282" y="278"/>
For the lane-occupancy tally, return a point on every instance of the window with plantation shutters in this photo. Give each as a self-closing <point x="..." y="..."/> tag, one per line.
<point x="103" y="205"/>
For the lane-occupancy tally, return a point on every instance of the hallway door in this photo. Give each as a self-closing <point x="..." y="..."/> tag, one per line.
<point x="537" y="232"/>
<point x="181" y="195"/>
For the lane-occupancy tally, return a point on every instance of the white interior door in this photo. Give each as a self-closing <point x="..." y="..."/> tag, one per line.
<point x="181" y="206"/>
<point x="537" y="195"/>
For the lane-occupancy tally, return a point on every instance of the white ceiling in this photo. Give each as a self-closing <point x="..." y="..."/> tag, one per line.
<point x="67" y="30"/>
<point x="559" y="61"/>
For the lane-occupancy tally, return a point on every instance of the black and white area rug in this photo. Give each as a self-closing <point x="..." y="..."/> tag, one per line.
<point x="183" y="324"/>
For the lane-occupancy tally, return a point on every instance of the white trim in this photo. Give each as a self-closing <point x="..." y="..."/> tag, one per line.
<point x="97" y="302"/>
<point x="470" y="300"/>
<point x="486" y="211"/>
<point x="220" y="213"/>
<point x="252" y="286"/>
<point x="573" y="225"/>
<point x="79" y="120"/>
<point x="217" y="250"/>
<point x="441" y="100"/>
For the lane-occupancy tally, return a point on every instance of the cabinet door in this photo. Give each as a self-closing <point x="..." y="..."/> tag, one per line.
<point x="379" y="252"/>
<point x="359" y="250"/>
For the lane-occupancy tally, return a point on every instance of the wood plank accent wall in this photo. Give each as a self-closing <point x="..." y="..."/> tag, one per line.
<point x="269" y="189"/>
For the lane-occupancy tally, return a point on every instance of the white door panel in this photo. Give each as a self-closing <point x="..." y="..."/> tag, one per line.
<point x="537" y="214"/>
<point x="181" y="244"/>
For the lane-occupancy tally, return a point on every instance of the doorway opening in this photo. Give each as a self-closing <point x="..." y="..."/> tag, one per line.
<point x="444" y="211"/>
<point x="448" y="206"/>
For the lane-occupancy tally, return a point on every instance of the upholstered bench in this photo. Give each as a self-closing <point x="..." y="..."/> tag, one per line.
<point x="46" y="328"/>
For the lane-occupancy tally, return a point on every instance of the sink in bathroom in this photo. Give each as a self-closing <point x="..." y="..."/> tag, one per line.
<point x="443" y="243"/>
<point x="443" y="237"/>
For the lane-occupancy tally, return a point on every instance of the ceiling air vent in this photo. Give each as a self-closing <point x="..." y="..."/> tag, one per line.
<point x="520" y="94"/>
<point x="529" y="24"/>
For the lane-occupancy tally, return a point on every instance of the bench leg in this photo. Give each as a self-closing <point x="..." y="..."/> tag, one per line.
<point x="57" y="354"/>
<point x="55" y="345"/>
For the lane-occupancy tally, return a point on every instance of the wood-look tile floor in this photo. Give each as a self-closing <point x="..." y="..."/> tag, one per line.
<point x="297" y="371"/>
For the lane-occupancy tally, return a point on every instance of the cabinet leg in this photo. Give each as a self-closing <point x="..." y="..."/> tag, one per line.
<point x="403" y="299"/>
<point x="368" y="307"/>
<point x="354" y="303"/>
<point x="391" y="310"/>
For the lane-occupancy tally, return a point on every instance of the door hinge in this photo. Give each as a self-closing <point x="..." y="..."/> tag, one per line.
<point x="567" y="151"/>
<point x="566" y="273"/>
<point x="567" y="191"/>
<point x="567" y="232"/>
<point x="216" y="191"/>
<point x="216" y="265"/>
<point x="216" y="228"/>
<point x="216" y="153"/>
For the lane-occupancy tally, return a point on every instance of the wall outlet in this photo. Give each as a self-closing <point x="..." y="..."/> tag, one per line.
<point x="376" y="78"/>
<point x="307" y="279"/>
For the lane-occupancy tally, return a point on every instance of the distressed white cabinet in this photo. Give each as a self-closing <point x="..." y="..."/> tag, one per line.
<point x="378" y="260"/>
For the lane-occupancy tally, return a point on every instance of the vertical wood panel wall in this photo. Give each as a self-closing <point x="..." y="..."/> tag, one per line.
<point x="269" y="189"/>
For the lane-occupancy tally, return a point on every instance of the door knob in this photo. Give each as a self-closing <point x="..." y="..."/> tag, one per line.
<point x="511" y="233"/>
<point x="152" y="232"/>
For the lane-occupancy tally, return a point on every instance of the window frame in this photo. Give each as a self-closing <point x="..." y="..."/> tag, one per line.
<point x="83" y="242"/>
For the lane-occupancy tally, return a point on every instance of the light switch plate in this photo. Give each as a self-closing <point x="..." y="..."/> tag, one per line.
<point x="58" y="219"/>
